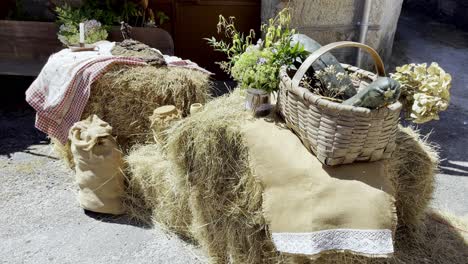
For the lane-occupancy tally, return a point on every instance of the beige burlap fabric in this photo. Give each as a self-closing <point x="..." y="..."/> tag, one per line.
<point x="313" y="209"/>
<point x="98" y="166"/>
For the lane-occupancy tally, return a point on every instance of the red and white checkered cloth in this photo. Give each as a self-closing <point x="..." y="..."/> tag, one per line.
<point x="57" y="117"/>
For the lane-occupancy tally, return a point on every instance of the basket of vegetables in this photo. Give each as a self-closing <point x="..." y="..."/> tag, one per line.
<point x="360" y="127"/>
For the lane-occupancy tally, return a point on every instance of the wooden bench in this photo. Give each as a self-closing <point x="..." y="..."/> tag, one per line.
<point x="26" y="45"/>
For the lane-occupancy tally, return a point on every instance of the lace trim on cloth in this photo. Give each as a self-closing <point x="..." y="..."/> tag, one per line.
<point x="369" y="242"/>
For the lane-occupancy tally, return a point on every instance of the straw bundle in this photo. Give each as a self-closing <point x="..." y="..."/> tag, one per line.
<point x="125" y="97"/>
<point x="412" y="167"/>
<point x="215" y="200"/>
<point x="153" y="176"/>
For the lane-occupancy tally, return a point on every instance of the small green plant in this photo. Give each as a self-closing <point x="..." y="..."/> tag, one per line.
<point x="425" y="90"/>
<point x="69" y="33"/>
<point x="98" y="17"/>
<point x="257" y="66"/>
<point x="109" y="12"/>
<point x="162" y="17"/>
<point x="66" y="15"/>
<point x="237" y="46"/>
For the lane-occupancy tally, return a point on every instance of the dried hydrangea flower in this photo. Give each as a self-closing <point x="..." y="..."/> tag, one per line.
<point x="425" y="90"/>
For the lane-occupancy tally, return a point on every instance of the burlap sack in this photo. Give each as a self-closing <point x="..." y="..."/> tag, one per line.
<point x="98" y="166"/>
<point x="313" y="209"/>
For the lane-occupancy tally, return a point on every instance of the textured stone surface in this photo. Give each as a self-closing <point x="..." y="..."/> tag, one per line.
<point x="330" y="21"/>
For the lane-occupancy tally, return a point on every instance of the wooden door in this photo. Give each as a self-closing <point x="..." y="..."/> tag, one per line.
<point x="197" y="19"/>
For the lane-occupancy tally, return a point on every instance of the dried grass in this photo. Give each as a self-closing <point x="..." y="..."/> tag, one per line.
<point x="413" y="166"/>
<point x="126" y="96"/>
<point x="220" y="201"/>
<point x="153" y="176"/>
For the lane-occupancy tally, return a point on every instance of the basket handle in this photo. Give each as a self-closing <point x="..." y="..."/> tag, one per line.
<point x="327" y="48"/>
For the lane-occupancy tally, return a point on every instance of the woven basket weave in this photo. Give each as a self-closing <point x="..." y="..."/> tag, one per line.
<point x="336" y="133"/>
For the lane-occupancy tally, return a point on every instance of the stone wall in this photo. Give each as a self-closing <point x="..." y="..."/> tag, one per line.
<point x="329" y="21"/>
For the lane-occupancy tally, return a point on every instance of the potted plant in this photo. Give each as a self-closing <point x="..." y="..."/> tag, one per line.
<point x="256" y="67"/>
<point x="29" y="35"/>
<point x="108" y="15"/>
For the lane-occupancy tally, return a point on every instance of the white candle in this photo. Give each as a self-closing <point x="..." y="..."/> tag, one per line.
<point x="82" y="33"/>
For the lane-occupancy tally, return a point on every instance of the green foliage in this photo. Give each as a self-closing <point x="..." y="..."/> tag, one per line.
<point x="69" y="33"/>
<point x="258" y="66"/>
<point x="130" y="10"/>
<point x="237" y="46"/>
<point x="278" y="36"/>
<point x="66" y="15"/>
<point x="162" y="17"/>
<point x="109" y="12"/>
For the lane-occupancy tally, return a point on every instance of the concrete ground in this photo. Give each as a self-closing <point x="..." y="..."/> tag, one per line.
<point x="41" y="221"/>
<point x="419" y="40"/>
<point x="40" y="218"/>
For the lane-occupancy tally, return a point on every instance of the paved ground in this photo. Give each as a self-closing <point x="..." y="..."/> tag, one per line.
<point x="422" y="40"/>
<point x="42" y="223"/>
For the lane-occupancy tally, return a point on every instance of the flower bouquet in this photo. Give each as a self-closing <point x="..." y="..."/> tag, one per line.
<point x="256" y="67"/>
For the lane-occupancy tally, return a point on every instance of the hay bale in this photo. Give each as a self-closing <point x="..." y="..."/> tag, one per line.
<point x="210" y="162"/>
<point x="412" y="167"/>
<point x="231" y="226"/>
<point x="154" y="194"/>
<point x="208" y="148"/>
<point x="126" y="96"/>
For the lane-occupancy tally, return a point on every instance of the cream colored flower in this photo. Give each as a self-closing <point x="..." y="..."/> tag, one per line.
<point x="425" y="90"/>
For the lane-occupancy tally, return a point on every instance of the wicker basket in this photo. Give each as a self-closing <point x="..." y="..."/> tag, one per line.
<point x="336" y="133"/>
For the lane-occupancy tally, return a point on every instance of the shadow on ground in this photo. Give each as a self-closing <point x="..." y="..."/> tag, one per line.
<point x="117" y="219"/>
<point x="17" y="131"/>
<point x="438" y="240"/>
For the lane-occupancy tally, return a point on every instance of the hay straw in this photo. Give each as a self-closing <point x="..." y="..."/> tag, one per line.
<point x="153" y="176"/>
<point x="126" y="96"/>
<point x="223" y="211"/>
<point x="413" y="167"/>
<point x="225" y="201"/>
<point x="63" y="152"/>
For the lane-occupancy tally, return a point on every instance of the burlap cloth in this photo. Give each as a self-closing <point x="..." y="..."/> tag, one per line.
<point x="98" y="166"/>
<point x="313" y="209"/>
